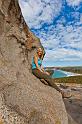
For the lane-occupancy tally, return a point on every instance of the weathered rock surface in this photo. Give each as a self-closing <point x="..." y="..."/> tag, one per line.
<point x="21" y="92"/>
<point x="70" y="120"/>
<point x="74" y="104"/>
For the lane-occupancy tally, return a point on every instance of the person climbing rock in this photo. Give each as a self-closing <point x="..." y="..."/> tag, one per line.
<point x="39" y="71"/>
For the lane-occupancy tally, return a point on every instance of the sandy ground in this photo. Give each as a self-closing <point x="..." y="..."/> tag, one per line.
<point x="74" y="104"/>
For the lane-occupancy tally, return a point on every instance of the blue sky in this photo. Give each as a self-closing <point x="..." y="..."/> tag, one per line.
<point x="58" y="24"/>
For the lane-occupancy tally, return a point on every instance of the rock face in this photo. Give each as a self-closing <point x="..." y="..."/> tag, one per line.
<point x="74" y="104"/>
<point x="20" y="91"/>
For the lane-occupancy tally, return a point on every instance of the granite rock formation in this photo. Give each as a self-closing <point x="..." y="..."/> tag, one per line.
<point x="23" y="98"/>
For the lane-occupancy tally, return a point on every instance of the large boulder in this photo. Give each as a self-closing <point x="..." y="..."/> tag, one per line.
<point x="22" y="92"/>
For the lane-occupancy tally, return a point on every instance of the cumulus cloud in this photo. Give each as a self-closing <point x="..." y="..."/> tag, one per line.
<point x="38" y="12"/>
<point x="63" y="43"/>
<point x="74" y="2"/>
<point x="62" y="40"/>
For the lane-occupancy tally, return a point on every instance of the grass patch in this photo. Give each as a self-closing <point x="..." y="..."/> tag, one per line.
<point x="71" y="79"/>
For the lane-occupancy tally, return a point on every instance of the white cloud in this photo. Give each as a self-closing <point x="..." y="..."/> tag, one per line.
<point x="40" y="11"/>
<point x="74" y="2"/>
<point x="62" y="43"/>
<point x="62" y="54"/>
<point x="81" y="18"/>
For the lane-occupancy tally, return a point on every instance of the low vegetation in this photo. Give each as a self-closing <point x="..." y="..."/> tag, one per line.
<point x="72" y="79"/>
<point x="77" y="69"/>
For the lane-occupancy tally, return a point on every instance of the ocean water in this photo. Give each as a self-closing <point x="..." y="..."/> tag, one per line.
<point x="60" y="74"/>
